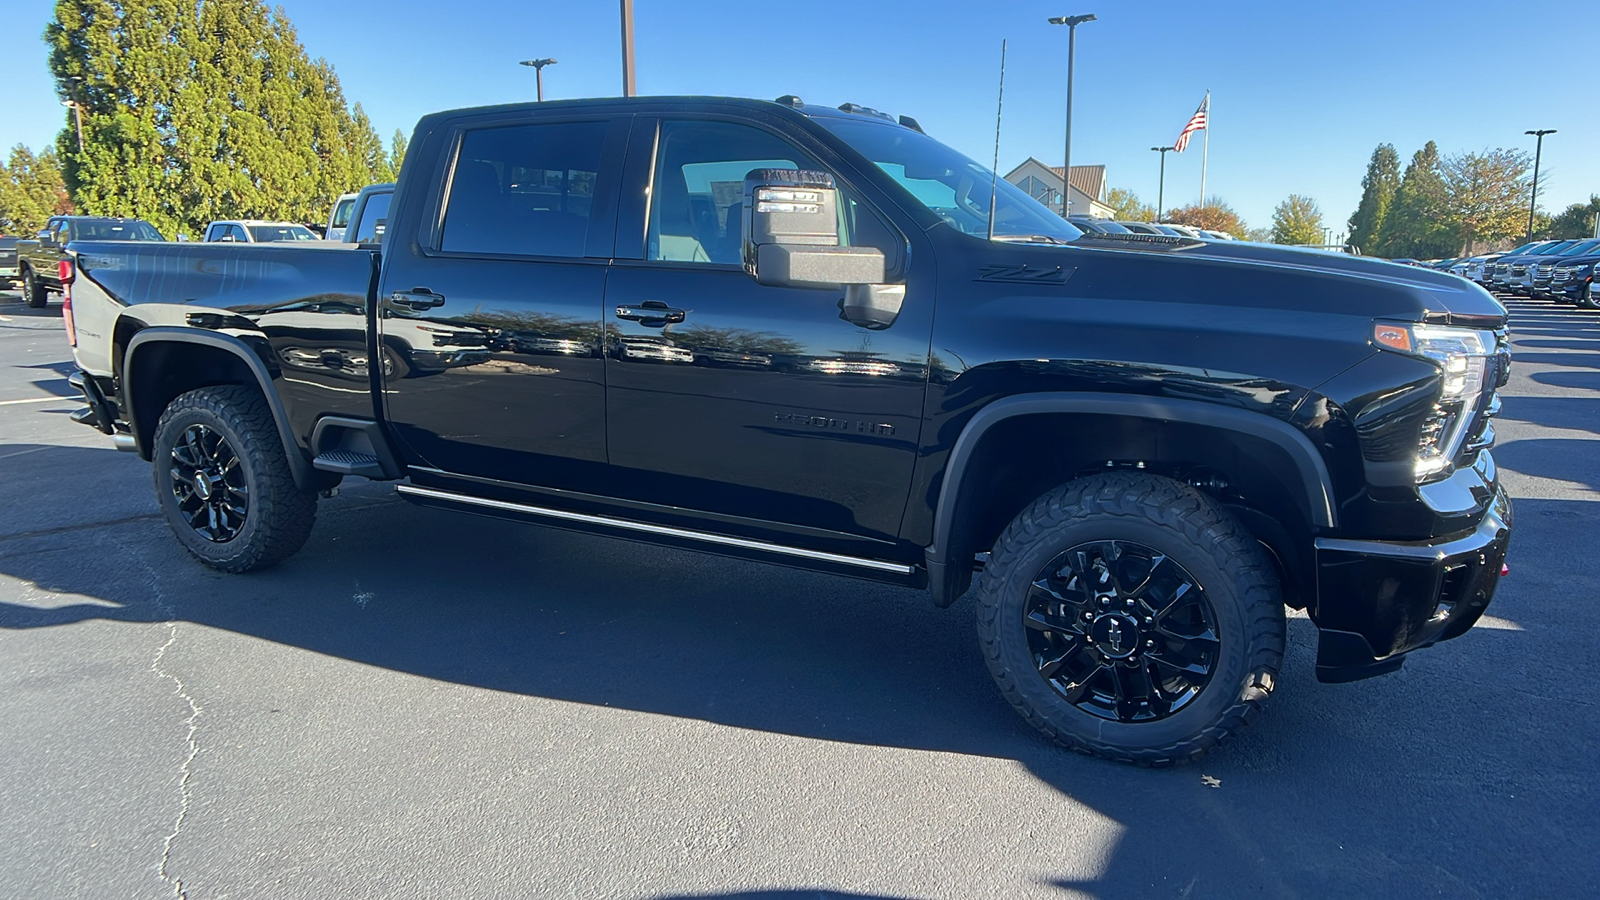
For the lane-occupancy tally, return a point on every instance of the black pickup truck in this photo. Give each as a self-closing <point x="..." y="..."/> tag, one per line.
<point x="820" y="338"/>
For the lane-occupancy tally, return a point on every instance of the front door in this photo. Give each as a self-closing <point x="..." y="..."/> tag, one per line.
<point x="731" y="398"/>
<point x="491" y="330"/>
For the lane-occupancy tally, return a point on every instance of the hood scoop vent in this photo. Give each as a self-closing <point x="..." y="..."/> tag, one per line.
<point x="1140" y="241"/>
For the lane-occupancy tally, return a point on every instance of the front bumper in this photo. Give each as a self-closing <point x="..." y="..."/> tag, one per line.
<point x="1379" y="600"/>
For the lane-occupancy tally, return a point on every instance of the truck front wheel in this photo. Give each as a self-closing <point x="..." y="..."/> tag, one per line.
<point x="32" y="291"/>
<point x="1129" y="617"/>
<point x="224" y="483"/>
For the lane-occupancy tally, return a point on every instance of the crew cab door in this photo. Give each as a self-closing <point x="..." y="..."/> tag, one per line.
<point x="489" y="306"/>
<point x="729" y="398"/>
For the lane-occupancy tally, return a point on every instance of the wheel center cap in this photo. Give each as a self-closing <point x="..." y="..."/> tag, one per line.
<point x="202" y="485"/>
<point x="1116" y="635"/>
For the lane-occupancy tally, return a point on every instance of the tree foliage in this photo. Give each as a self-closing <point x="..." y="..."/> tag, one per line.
<point x="31" y="191"/>
<point x="1487" y="196"/>
<point x="1128" y="206"/>
<point x="1213" y="215"/>
<point x="194" y="111"/>
<point x="1297" y="220"/>
<point x="1419" y="223"/>
<point x="1575" y="221"/>
<point x="1378" y="188"/>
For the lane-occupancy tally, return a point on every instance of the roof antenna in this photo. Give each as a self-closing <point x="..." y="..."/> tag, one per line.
<point x="1000" y="105"/>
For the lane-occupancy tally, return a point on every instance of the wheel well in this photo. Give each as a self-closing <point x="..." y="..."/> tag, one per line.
<point x="164" y="369"/>
<point x="1022" y="457"/>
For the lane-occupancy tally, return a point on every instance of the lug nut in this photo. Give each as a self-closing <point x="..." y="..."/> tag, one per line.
<point x="1130" y="603"/>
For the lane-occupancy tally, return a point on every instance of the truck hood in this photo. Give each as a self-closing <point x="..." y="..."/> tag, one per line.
<point x="1430" y="295"/>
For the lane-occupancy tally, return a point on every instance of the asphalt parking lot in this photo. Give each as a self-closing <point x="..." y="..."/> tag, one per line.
<point x="423" y="704"/>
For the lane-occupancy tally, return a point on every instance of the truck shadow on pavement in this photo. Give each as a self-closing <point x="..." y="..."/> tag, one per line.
<point x="1402" y="779"/>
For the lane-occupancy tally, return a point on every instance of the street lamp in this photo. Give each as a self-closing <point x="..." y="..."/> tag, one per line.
<point x="77" y="115"/>
<point x="538" y="72"/>
<point x="628" y="89"/>
<point x="1161" y="192"/>
<point x="1072" y="23"/>
<point x="1533" y="202"/>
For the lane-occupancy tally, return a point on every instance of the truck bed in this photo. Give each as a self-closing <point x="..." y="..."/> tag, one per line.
<point x="302" y="309"/>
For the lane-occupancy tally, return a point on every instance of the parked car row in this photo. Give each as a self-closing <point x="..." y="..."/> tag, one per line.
<point x="1560" y="270"/>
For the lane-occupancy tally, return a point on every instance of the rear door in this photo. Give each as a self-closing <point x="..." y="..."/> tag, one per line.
<point x="741" y="399"/>
<point x="490" y="302"/>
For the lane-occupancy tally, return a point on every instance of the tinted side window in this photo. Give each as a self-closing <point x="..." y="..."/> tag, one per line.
<point x="524" y="189"/>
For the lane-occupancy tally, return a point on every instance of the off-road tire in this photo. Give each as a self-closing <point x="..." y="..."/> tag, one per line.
<point x="33" y="292"/>
<point x="1238" y="579"/>
<point x="279" y="515"/>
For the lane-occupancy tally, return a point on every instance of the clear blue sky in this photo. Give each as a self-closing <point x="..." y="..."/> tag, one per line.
<point x="1301" y="92"/>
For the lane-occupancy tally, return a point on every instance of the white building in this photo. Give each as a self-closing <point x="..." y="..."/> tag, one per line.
<point x="1043" y="183"/>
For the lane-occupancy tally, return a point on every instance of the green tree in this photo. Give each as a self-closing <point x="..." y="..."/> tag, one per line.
<point x="1575" y="221"/>
<point x="1297" y="220"/>
<point x="1419" y="224"/>
<point x="31" y="191"/>
<point x="1378" y="188"/>
<point x="397" y="151"/>
<point x="1213" y="215"/>
<point x="195" y="111"/>
<point x="1128" y="206"/>
<point x="1488" y="195"/>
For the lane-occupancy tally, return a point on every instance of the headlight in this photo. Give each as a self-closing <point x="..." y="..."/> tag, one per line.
<point x="1462" y="355"/>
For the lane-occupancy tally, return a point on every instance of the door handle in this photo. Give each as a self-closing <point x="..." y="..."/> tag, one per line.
<point x="651" y="311"/>
<point x="414" y="301"/>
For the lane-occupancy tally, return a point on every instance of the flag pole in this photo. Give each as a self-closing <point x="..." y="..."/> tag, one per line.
<point x="1205" y="148"/>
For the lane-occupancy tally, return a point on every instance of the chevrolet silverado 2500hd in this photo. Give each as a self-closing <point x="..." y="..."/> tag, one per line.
<point x="819" y="337"/>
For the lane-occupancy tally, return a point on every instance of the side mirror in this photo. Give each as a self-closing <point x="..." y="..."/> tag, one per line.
<point x="791" y="233"/>
<point x="45" y="239"/>
<point x="227" y="239"/>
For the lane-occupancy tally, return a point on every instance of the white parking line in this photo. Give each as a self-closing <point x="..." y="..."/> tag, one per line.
<point x="38" y="400"/>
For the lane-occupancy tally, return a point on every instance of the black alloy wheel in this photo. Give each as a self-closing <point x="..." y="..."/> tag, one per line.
<point x="1121" y="631"/>
<point x="209" y="484"/>
<point x="224" y="482"/>
<point x="1130" y="616"/>
<point x="33" y="293"/>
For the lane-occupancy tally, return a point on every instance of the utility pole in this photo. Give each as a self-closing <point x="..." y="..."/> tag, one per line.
<point x="1161" y="192"/>
<point x="1072" y="23"/>
<point x="1533" y="202"/>
<point x="627" y="49"/>
<point x="538" y="72"/>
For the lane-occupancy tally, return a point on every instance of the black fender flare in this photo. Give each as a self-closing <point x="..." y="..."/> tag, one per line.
<point x="945" y="575"/>
<point x="304" y="477"/>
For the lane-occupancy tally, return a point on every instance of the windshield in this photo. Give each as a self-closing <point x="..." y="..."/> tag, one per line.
<point x="263" y="234"/>
<point x="1557" y="247"/>
<point x="114" y="230"/>
<point x="955" y="188"/>
<point x="1584" y="247"/>
<point x="341" y="212"/>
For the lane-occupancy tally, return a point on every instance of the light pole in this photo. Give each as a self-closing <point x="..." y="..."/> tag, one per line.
<point x="538" y="72"/>
<point x="627" y="48"/>
<point x="1072" y="23"/>
<point x="1533" y="203"/>
<point x="77" y="115"/>
<point x="77" y="111"/>
<point x="1161" y="192"/>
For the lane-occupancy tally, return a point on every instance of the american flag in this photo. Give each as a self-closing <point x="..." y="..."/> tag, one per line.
<point x="1197" y="122"/>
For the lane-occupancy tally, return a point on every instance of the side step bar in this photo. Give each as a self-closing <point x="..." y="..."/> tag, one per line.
<point x="722" y="540"/>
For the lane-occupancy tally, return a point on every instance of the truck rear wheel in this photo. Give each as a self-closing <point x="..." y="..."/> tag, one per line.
<point x="224" y="483"/>
<point x="1129" y="617"/>
<point x="32" y="291"/>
